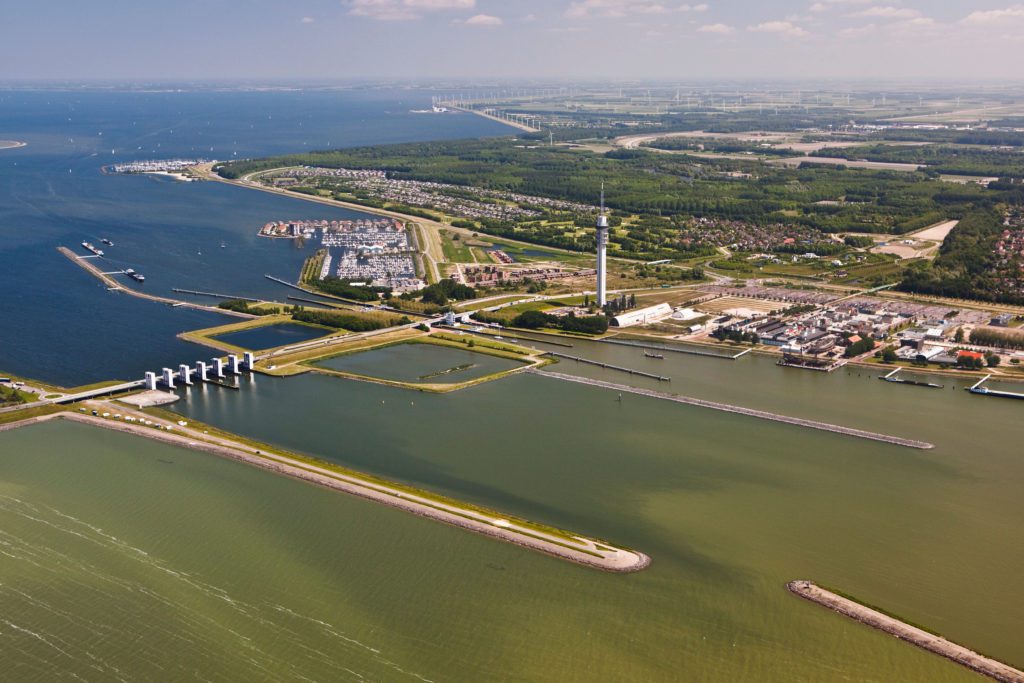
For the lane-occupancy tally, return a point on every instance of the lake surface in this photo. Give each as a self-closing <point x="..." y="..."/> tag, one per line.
<point x="60" y="324"/>
<point x="424" y="363"/>
<point x="271" y="336"/>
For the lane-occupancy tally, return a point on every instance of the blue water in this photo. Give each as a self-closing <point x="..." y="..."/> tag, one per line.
<point x="59" y="324"/>
<point x="272" y="336"/>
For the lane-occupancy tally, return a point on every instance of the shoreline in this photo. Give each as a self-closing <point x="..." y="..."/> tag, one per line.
<point x="986" y="666"/>
<point x="577" y="549"/>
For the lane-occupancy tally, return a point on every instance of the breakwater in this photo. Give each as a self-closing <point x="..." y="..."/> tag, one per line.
<point x="114" y="285"/>
<point x="609" y="366"/>
<point x="740" y="410"/>
<point x="674" y="349"/>
<point x="213" y="294"/>
<point x="563" y="545"/>
<point x="904" y="631"/>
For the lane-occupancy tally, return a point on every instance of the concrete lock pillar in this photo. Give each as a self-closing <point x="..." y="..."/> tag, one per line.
<point x="169" y="378"/>
<point x="250" y="361"/>
<point x="151" y="381"/>
<point x="186" y="374"/>
<point x="233" y="364"/>
<point x="218" y="367"/>
<point x="201" y="371"/>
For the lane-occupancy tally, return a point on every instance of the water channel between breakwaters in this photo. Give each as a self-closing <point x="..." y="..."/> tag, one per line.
<point x="662" y="476"/>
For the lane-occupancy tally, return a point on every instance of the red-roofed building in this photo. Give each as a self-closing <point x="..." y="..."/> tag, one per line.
<point x="974" y="355"/>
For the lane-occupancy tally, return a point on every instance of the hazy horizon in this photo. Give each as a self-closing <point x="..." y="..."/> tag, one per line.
<point x="468" y="40"/>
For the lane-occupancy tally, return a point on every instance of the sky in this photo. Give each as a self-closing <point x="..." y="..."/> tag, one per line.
<point x="594" y="40"/>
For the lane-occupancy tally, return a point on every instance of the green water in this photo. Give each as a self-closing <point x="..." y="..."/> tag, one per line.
<point x="426" y="363"/>
<point x="728" y="507"/>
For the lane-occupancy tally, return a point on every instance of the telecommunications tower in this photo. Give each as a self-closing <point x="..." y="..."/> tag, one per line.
<point x="602" y="248"/>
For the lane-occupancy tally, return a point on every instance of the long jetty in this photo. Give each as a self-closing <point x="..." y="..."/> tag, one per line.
<point x="981" y="664"/>
<point x="609" y="366"/>
<point x="564" y="545"/>
<point x="213" y="294"/>
<point x="674" y="349"/>
<point x="740" y="410"/>
<point x="113" y="285"/>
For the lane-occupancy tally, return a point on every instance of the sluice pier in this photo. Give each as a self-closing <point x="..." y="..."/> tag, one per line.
<point x="750" y="412"/>
<point x="674" y="349"/>
<point x="607" y="365"/>
<point x="981" y="664"/>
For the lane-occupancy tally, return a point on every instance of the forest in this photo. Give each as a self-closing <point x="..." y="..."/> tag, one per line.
<point x="664" y="190"/>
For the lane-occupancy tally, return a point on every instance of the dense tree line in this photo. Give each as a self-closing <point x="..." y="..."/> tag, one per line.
<point x="965" y="267"/>
<point x="349" y="321"/>
<point x="346" y="290"/>
<point x="440" y="293"/>
<point x="859" y="347"/>
<point x="1005" y="339"/>
<point x="243" y="306"/>
<point x="535" y="320"/>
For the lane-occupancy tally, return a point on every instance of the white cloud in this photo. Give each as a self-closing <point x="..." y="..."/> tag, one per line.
<point x="306" y="20"/>
<point x="403" y="10"/>
<point x="621" y="8"/>
<point x="483" y="20"/>
<point x="782" y="28"/>
<point x="887" y="12"/>
<point x="721" y="29"/>
<point x="994" y="16"/>
<point x="440" y="4"/>
<point x="826" y="4"/>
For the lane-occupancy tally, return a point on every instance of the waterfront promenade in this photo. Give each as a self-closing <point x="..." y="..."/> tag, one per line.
<point x="740" y="410"/>
<point x="919" y="637"/>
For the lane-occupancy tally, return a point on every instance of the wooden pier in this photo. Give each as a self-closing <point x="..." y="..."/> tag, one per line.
<point x="739" y="410"/>
<point x="609" y="366"/>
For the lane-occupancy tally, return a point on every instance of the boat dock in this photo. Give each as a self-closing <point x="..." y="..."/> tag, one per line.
<point x="981" y="664"/>
<point x="750" y="412"/>
<point x="891" y="377"/>
<point x="985" y="391"/>
<point x="674" y="349"/>
<point x="607" y="365"/>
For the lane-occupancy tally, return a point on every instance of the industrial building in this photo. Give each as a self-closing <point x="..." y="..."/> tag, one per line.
<point x="642" y="316"/>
